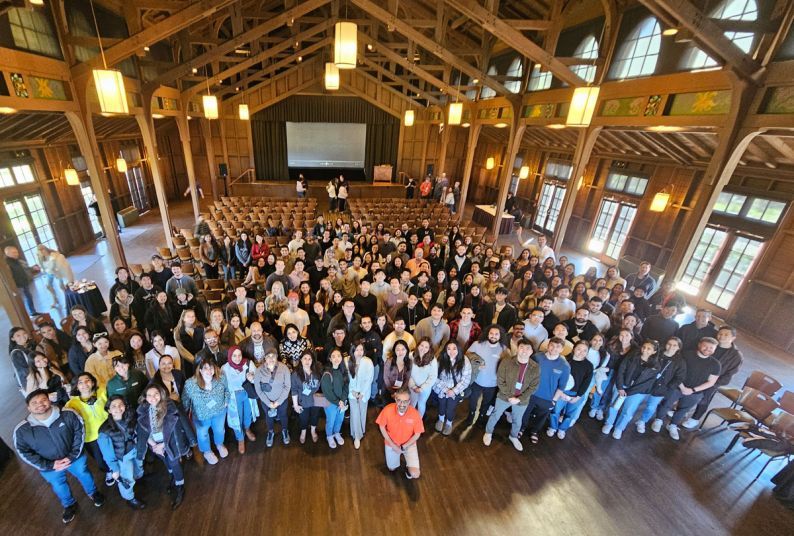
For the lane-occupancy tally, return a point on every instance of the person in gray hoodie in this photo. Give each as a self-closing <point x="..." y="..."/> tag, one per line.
<point x="272" y="384"/>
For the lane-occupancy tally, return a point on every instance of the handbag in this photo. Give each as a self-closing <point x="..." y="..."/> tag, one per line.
<point x="249" y="389"/>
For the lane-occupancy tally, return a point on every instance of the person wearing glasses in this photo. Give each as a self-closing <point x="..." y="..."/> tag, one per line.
<point x="401" y="426"/>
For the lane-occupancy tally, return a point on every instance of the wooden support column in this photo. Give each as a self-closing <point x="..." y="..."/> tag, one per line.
<point x="732" y="142"/>
<point x="206" y="133"/>
<point x="400" y="143"/>
<point x="516" y="134"/>
<point x="442" y="150"/>
<point x="184" y="137"/>
<point x="581" y="156"/>
<point x="86" y="140"/>
<point x="423" y="161"/>
<point x="146" y="124"/>
<point x="11" y="298"/>
<point x="471" y="146"/>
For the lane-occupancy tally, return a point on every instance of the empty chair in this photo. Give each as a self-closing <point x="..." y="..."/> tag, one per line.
<point x="136" y="270"/>
<point x="757" y="406"/>
<point x="787" y="402"/>
<point x="776" y="443"/>
<point x="212" y="296"/>
<point x="756" y="380"/>
<point x="214" y="284"/>
<point x="184" y="254"/>
<point x="165" y="253"/>
<point x="179" y="241"/>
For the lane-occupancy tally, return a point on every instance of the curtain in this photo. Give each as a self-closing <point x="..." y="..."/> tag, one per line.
<point x="269" y="131"/>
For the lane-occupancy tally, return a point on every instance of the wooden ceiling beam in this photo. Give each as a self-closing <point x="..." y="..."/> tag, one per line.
<point x="401" y="81"/>
<point x="516" y="40"/>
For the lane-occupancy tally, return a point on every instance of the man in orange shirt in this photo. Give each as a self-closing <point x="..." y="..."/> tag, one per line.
<point x="401" y="426"/>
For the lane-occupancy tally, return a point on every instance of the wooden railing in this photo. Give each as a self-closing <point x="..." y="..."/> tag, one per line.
<point x="249" y="175"/>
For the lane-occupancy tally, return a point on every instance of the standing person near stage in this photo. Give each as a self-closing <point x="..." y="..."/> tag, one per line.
<point x="401" y="426"/>
<point x="332" y="195"/>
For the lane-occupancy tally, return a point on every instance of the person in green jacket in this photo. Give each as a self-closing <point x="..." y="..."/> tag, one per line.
<point x="516" y="378"/>
<point x="335" y="384"/>
<point x="128" y="382"/>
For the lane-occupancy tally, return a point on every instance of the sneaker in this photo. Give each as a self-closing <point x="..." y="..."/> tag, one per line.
<point x="617" y="434"/>
<point x="250" y="435"/>
<point x="339" y="440"/>
<point x="486" y="439"/>
<point x="331" y="442"/>
<point x="606" y="429"/>
<point x="447" y="429"/>
<point x="656" y="425"/>
<point x="690" y="424"/>
<point x="98" y="499"/>
<point x="591" y="413"/>
<point x="550" y="432"/>
<point x="223" y="451"/>
<point x="599" y="415"/>
<point x="69" y="513"/>
<point x="560" y="434"/>
<point x="439" y="425"/>
<point x="285" y="437"/>
<point x="670" y="413"/>
<point x="210" y="458"/>
<point x="109" y="480"/>
<point x="269" y="440"/>
<point x="640" y="427"/>
<point x="673" y="430"/>
<point x="357" y="443"/>
<point x="509" y="417"/>
<point x="516" y="443"/>
<point x="408" y="475"/>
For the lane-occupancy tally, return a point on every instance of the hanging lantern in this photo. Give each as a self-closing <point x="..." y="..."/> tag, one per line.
<point x="523" y="173"/>
<point x="582" y="107"/>
<point x="70" y="174"/>
<point x="408" y="121"/>
<point x="242" y="110"/>
<point x="210" y="106"/>
<point x="121" y="165"/>
<point x="110" y="91"/>
<point x="331" y="76"/>
<point x="660" y="201"/>
<point x="489" y="164"/>
<point x="345" y="45"/>
<point x="455" y="113"/>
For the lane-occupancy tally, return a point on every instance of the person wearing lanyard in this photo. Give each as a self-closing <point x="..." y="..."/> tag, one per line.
<point x="397" y="368"/>
<point x="272" y="384"/>
<point x="568" y="409"/>
<point x="517" y="378"/>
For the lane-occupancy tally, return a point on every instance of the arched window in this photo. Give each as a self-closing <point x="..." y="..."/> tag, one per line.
<point x="588" y="50"/>
<point x="727" y="10"/>
<point x="516" y="69"/>
<point x="539" y="80"/>
<point x="488" y="92"/>
<point x="640" y="51"/>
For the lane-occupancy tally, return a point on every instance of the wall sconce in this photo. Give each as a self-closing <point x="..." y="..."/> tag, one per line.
<point x="523" y="173"/>
<point x="70" y="174"/>
<point x="408" y="120"/>
<point x="121" y="165"/>
<point x="660" y="201"/>
<point x="489" y="164"/>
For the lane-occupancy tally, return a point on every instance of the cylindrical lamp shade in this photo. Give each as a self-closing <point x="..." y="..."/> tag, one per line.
<point x="455" y="113"/>
<point x="121" y="165"/>
<point x="489" y="164"/>
<point x="408" y="121"/>
<point x="70" y="174"/>
<point x="582" y="106"/>
<point x="345" y="45"/>
<point x="660" y="201"/>
<point x="210" y="106"/>
<point x="243" y="111"/>
<point x="331" y="76"/>
<point x="523" y="173"/>
<point x="110" y="91"/>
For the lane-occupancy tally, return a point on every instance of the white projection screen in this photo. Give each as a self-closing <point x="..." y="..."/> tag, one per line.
<point x="326" y="145"/>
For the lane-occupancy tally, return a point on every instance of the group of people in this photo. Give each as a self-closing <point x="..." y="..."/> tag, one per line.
<point x="414" y="322"/>
<point x="438" y="189"/>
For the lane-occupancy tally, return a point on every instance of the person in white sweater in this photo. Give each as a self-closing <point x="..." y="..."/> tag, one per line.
<point x="361" y="372"/>
<point x="424" y="373"/>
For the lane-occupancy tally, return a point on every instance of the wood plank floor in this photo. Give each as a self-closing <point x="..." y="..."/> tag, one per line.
<point x="588" y="484"/>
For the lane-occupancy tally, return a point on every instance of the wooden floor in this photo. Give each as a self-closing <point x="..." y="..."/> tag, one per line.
<point x="588" y="484"/>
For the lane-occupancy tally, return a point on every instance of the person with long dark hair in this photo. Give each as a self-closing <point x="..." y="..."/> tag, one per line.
<point x="88" y="400"/>
<point x="672" y="371"/>
<point x="361" y="371"/>
<point x="81" y="348"/>
<point x="272" y="384"/>
<point x="305" y="384"/>
<point x="207" y="396"/>
<point x="397" y="366"/>
<point x="242" y="410"/>
<point x="242" y="254"/>
<point x="170" y="378"/>
<point x="335" y="384"/>
<point x="424" y="373"/>
<point x="21" y="349"/>
<point x="44" y="374"/>
<point x="117" y="443"/>
<point x="164" y="429"/>
<point x="454" y="377"/>
<point x="161" y="316"/>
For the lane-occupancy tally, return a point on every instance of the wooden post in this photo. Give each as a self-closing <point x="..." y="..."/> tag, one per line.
<point x="423" y="161"/>
<point x="514" y="143"/>
<point x="184" y="137"/>
<point x="471" y="146"/>
<point x="581" y="156"/>
<point x="206" y="132"/>
<point x="441" y="160"/>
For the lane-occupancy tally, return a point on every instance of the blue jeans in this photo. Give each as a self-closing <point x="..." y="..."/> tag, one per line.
<point x="281" y="416"/>
<point x="57" y="479"/>
<point x="375" y="376"/>
<point x="630" y="407"/>
<point x="28" y="297"/>
<point x="334" y="417"/>
<point x="650" y="407"/>
<point x="217" y="423"/>
<point x="244" y="413"/>
<point x="598" y="398"/>
<point x="611" y="405"/>
<point x="130" y="470"/>
<point x="567" y="412"/>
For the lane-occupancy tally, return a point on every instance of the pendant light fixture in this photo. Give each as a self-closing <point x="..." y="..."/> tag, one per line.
<point x="345" y="44"/>
<point x="109" y="83"/>
<point x="408" y="120"/>
<point x="660" y="201"/>
<point x="523" y="173"/>
<point x="455" y="114"/>
<point x="331" y="76"/>
<point x="209" y="101"/>
<point x="583" y="105"/>
<point x="489" y="164"/>
<point x="242" y="111"/>
<point x="70" y="174"/>
<point x="121" y="164"/>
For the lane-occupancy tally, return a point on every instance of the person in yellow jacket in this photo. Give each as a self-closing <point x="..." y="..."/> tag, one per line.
<point x="89" y="400"/>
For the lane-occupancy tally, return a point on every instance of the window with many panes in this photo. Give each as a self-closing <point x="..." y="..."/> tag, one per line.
<point x="539" y="79"/>
<point x="30" y="223"/>
<point x="516" y="69"/>
<point x="558" y="169"/>
<point x="756" y="209"/>
<point x="88" y="198"/>
<point x="727" y="10"/>
<point x="705" y="253"/>
<point x="744" y="250"/>
<point x="612" y="226"/>
<point x="488" y="92"/>
<point x="626" y="182"/>
<point x="31" y="30"/>
<point x="14" y="175"/>
<point x="551" y="196"/>
<point x="639" y="52"/>
<point x="588" y="50"/>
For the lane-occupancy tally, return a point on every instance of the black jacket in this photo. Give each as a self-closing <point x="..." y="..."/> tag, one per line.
<point x="131" y="285"/>
<point x="178" y="435"/>
<point x="20" y="356"/>
<point x="690" y="335"/>
<point x="507" y="318"/>
<point x="587" y="332"/>
<point x="142" y="300"/>
<point x="20" y="271"/>
<point x="636" y="376"/>
<point x="730" y="361"/>
<point x="671" y="374"/>
<point x="121" y="435"/>
<point x="162" y="319"/>
<point x="40" y="445"/>
<point x="77" y="358"/>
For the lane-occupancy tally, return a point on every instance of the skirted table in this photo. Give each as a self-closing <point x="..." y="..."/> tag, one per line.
<point x="485" y="214"/>
<point x="91" y="299"/>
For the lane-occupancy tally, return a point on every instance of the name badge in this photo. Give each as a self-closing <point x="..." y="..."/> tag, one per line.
<point x="412" y="327"/>
<point x="306" y="391"/>
<point x="576" y="338"/>
<point x="211" y="404"/>
<point x="398" y="384"/>
<point x="519" y="385"/>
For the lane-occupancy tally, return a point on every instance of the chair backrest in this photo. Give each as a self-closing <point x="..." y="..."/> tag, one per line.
<point x="783" y="425"/>
<point x="787" y="402"/>
<point x="763" y="382"/>
<point x="758" y="404"/>
<point x="214" y="284"/>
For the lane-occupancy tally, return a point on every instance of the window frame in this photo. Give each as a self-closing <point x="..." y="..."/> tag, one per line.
<point x="610" y="232"/>
<point x="631" y="177"/>
<point x="625" y="59"/>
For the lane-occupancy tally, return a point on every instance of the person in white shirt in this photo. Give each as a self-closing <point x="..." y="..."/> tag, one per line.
<point x="399" y="334"/>
<point x="533" y="327"/>
<point x="541" y="250"/>
<point x="297" y="242"/>
<point x="563" y="306"/>
<point x="599" y="319"/>
<point x="424" y="372"/>
<point x="361" y="372"/>
<point x="293" y="315"/>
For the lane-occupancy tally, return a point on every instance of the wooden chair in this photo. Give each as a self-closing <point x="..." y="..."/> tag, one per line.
<point x="136" y="270"/>
<point x="212" y="296"/>
<point x="188" y="269"/>
<point x="756" y="408"/>
<point x="776" y="443"/>
<point x="184" y="255"/>
<point x="757" y="380"/>
<point x="787" y="402"/>
<point x="214" y="284"/>
<point x="179" y="241"/>
<point x="166" y="254"/>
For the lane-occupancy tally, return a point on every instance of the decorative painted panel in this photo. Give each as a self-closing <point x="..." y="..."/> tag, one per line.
<point x="701" y="103"/>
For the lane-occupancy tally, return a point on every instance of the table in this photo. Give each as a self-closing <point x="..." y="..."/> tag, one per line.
<point x="382" y="173"/>
<point x="485" y="214"/>
<point x="92" y="300"/>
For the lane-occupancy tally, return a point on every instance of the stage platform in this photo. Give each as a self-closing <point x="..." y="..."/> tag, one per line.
<point x="357" y="189"/>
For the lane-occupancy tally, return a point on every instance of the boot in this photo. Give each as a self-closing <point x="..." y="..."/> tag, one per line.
<point x="136" y="504"/>
<point x="179" y="494"/>
<point x="241" y="446"/>
<point x="171" y="487"/>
